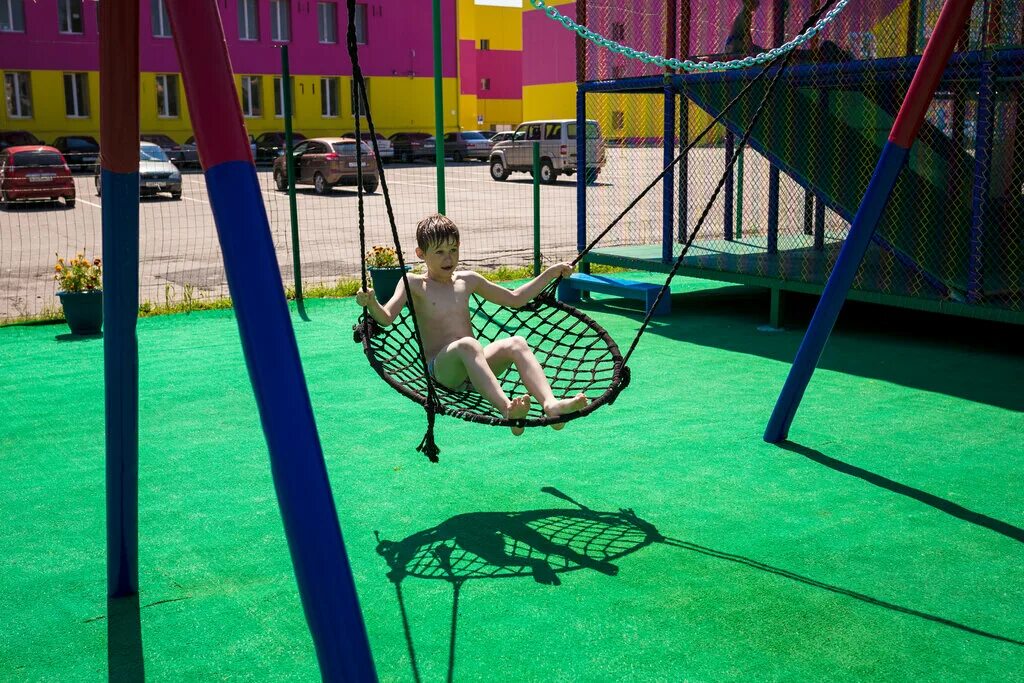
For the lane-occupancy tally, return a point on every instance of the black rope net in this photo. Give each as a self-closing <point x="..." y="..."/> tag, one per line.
<point x="577" y="354"/>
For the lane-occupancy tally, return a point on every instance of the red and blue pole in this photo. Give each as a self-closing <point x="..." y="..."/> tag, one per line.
<point x="326" y="587"/>
<point x="119" y="184"/>
<point x="894" y="157"/>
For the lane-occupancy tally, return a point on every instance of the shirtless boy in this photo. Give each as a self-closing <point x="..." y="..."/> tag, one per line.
<point x="455" y="358"/>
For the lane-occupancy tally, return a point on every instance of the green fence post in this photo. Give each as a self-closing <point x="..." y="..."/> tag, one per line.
<point x="438" y="109"/>
<point x="293" y="211"/>
<point x="536" y="209"/>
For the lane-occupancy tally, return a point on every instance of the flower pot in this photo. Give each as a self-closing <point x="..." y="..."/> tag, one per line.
<point x="385" y="281"/>
<point x="83" y="311"/>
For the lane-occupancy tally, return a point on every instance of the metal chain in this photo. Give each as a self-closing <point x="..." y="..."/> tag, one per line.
<point x="686" y="64"/>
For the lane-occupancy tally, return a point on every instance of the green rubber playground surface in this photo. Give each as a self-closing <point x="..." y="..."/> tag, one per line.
<point x="659" y="539"/>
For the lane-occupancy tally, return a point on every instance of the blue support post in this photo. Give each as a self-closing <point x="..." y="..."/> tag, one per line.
<point x="730" y="149"/>
<point x="773" y="209"/>
<point x="982" y="169"/>
<point x="581" y="173"/>
<point x="682" y="217"/>
<point x="668" y="182"/>
<point x="864" y="223"/>
<point x="120" y="215"/>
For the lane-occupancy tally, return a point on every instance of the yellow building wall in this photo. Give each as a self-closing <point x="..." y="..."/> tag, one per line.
<point x="500" y="113"/>
<point x="49" y="118"/>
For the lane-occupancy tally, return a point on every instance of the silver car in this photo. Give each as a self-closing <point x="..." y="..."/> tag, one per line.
<point x="557" y="140"/>
<point x="156" y="173"/>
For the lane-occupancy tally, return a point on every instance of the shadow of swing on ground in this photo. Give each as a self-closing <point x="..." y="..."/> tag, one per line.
<point x="544" y="543"/>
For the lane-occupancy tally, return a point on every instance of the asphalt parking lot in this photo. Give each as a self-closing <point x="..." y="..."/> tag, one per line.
<point x="179" y="248"/>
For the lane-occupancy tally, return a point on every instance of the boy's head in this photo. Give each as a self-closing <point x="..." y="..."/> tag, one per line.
<point x="435" y="230"/>
<point x="437" y="243"/>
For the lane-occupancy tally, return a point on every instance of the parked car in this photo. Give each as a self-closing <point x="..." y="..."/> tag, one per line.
<point x="384" y="146"/>
<point x="156" y="173"/>
<point x="176" y="153"/>
<point x="190" y="147"/>
<point x="412" y="146"/>
<point x="269" y="146"/>
<point x="17" y="138"/>
<point x="81" y="152"/>
<point x="502" y="136"/>
<point x="37" y="172"/>
<point x="326" y="162"/>
<point x="557" y="140"/>
<point x="467" y="144"/>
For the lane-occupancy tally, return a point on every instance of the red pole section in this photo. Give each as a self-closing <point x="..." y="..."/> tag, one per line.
<point x="933" y="63"/>
<point x="209" y="85"/>
<point x="119" y="85"/>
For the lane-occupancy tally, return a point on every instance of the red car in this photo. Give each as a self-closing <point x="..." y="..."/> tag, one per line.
<point x="35" y="172"/>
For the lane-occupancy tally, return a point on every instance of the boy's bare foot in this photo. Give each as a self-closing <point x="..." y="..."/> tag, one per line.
<point x="564" y="407"/>
<point x="519" y="408"/>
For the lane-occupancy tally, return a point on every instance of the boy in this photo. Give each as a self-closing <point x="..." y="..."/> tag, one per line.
<point x="455" y="358"/>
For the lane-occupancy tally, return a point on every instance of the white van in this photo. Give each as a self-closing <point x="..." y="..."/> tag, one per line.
<point x="557" y="138"/>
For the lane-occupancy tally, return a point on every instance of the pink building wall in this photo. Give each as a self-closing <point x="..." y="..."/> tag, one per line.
<point x="399" y="41"/>
<point x="503" y="67"/>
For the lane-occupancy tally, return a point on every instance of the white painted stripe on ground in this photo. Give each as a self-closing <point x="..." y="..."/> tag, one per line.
<point x="197" y="201"/>
<point x="86" y="201"/>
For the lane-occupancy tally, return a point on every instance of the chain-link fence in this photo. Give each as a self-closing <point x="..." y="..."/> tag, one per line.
<point x="953" y="232"/>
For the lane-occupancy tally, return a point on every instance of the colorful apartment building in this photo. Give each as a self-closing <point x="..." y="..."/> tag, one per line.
<point x="49" y="59"/>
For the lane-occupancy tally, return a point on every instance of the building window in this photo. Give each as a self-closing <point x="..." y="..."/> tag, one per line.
<point x="618" y="120"/>
<point x="485" y="44"/>
<point x="18" y="91"/>
<point x="485" y="84"/>
<point x="252" y="101"/>
<point x="280" y="26"/>
<point x="76" y="95"/>
<point x="329" y="97"/>
<point x="279" y="96"/>
<point x="327" y="21"/>
<point x="360" y="24"/>
<point x="167" y="96"/>
<point x="618" y="31"/>
<point x="158" y="20"/>
<point x="358" y="103"/>
<point x="12" y="16"/>
<point x="69" y="16"/>
<point x="248" y="20"/>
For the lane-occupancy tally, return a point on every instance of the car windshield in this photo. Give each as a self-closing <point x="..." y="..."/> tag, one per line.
<point x="473" y="136"/>
<point x="19" y="138"/>
<point x="349" y="148"/>
<point x="593" y="132"/>
<point x="81" y="143"/>
<point x="161" y="140"/>
<point x="42" y="158"/>
<point x="151" y="153"/>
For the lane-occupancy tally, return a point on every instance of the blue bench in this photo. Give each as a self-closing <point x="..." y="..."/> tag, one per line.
<point x="569" y="290"/>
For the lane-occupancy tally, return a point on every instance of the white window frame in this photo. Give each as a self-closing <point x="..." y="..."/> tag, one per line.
<point x="252" y="97"/>
<point x="13" y="81"/>
<point x="79" y="94"/>
<point x="485" y="84"/>
<point x="280" y="21"/>
<point x="323" y="22"/>
<point x="354" y="100"/>
<point x="279" y="97"/>
<point x="163" y="109"/>
<point x="329" y="96"/>
<point x="361" y="23"/>
<point x="11" y="21"/>
<point x="68" y="27"/>
<point x="248" y="18"/>
<point x="159" y="22"/>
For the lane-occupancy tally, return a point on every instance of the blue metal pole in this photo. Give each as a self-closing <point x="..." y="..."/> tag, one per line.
<point x="982" y="169"/>
<point x="668" y="182"/>
<point x="581" y="172"/>
<point x="684" y="169"/>
<point x="119" y="183"/>
<point x="864" y="223"/>
<point x="730" y="149"/>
